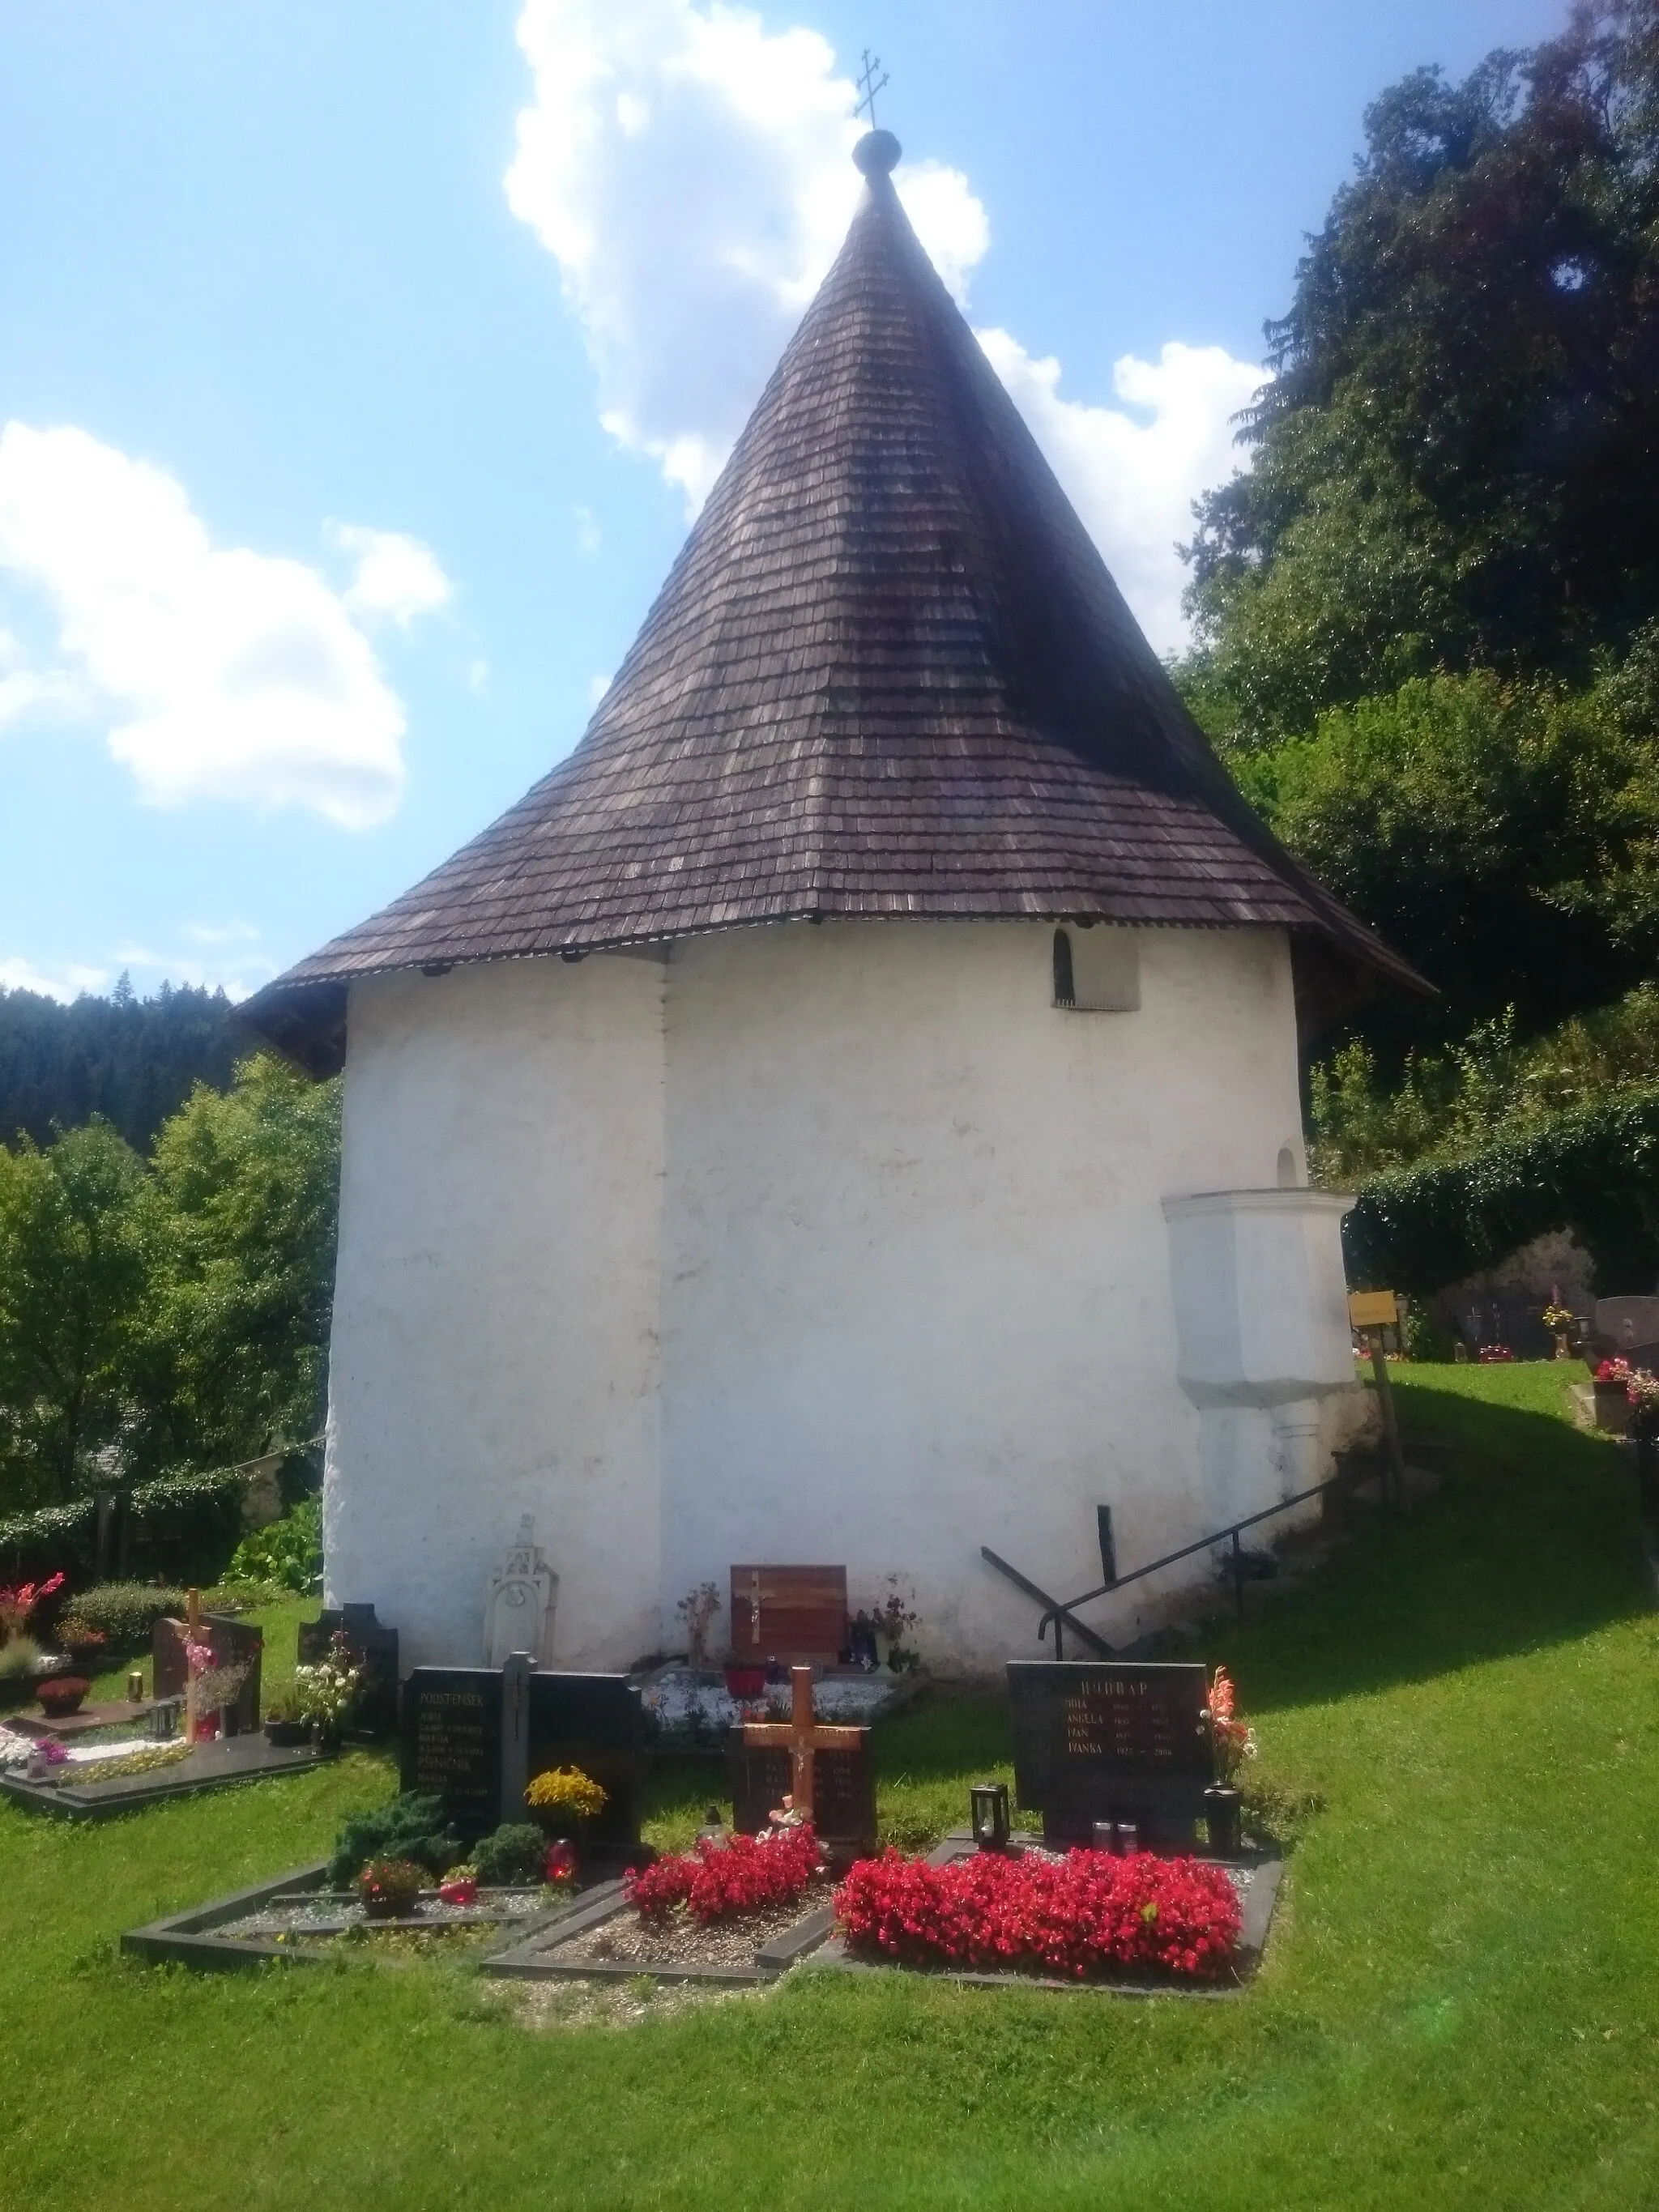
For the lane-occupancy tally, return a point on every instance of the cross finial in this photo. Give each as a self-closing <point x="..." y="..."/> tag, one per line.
<point x="870" y="84"/>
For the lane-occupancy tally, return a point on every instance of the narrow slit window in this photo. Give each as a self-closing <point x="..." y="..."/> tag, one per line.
<point x="1064" y="987"/>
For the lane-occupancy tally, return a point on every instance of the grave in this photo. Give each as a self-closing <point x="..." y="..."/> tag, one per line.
<point x="233" y="1642"/>
<point x="1108" y="1740"/>
<point x="787" y="1613"/>
<point x="519" y="1602"/>
<point x="1255" y="1877"/>
<point x="825" y="1770"/>
<point x="75" y="1792"/>
<point x="474" y="1735"/>
<point x="296" y="1917"/>
<point x="376" y="1647"/>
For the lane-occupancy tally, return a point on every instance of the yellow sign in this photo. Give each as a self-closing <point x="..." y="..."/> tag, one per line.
<point x="1373" y="1309"/>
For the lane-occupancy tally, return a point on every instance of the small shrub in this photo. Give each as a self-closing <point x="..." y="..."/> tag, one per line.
<point x="389" y="1888"/>
<point x="411" y="1827"/>
<point x="18" y="1656"/>
<point x="723" y="1881"/>
<point x="287" y="1552"/>
<point x="516" y="1853"/>
<point x="125" y="1614"/>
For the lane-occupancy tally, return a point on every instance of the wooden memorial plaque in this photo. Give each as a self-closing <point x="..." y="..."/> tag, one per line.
<point x="374" y="1646"/>
<point x="787" y="1613"/>
<point x="1101" y="1740"/>
<point x="452" y="1742"/>
<point x="233" y="1642"/>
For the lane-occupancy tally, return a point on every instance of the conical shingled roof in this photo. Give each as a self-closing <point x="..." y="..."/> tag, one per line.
<point x="889" y="676"/>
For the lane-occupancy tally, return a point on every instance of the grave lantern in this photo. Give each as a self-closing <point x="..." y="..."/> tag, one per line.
<point x="987" y="1812"/>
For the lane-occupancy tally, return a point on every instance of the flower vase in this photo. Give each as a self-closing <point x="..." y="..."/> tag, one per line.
<point x="1222" y="1811"/>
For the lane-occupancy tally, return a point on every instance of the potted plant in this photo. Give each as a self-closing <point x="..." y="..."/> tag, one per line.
<point x="562" y="1798"/>
<point x="325" y="1694"/>
<point x="697" y="1609"/>
<point x="84" y="1643"/>
<point x="284" y="1727"/>
<point x="1560" y="1322"/>
<point x="390" y="1888"/>
<point x="60" y="1695"/>
<point x="1231" y="1743"/>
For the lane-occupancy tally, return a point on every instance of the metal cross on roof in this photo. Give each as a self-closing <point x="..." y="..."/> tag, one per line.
<point x="871" y="84"/>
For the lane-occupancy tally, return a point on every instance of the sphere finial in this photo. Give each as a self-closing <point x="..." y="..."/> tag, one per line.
<point x="878" y="153"/>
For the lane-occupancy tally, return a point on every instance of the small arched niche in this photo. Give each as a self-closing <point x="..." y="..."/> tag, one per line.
<point x="1289" y="1169"/>
<point x="1097" y="970"/>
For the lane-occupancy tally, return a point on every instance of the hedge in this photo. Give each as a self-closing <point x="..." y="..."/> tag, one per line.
<point x="1594" y="1171"/>
<point x="184" y="1526"/>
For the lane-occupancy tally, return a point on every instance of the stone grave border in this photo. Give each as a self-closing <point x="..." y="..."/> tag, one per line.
<point x="189" y="1938"/>
<point x="240" y="1759"/>
<point x="526" y="1957"/>
<point x="1267" y="1867"/>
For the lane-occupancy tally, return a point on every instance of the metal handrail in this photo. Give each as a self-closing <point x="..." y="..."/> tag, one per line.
<point x="1060" y="1612"/>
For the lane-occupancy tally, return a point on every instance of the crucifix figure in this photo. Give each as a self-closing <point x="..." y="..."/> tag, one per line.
<point x="801" y="1736"/>
<point x="870" y="84"/>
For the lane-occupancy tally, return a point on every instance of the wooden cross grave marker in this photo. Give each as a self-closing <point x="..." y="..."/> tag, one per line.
<point x="801" y="1736"/>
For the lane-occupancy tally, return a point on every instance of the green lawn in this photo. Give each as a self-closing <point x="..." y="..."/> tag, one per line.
<point x="1460" y="2006"/>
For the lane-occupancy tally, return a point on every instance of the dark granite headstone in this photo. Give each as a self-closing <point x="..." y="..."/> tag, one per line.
<point x="844" y="1792"/>
<point x="452" y="1742"/>
<point x="461" y="1741"/>
<point x="596" y="1722"/>
<point x="1103" y="1740"/>
<point x="377" y="1648"/>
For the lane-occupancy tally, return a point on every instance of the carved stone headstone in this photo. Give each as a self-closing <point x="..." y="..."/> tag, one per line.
<point x="1104" y="1740"/>
<point x="374" y="1646"/>
<point x="519" y="1602"/>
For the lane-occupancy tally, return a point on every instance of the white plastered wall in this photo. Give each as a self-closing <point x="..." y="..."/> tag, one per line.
<point x="916" y="1273"/>
<point x="494" y="1339"/>
<point x="812" y="1244"/>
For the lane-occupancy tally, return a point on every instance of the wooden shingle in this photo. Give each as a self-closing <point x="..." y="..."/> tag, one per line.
<point x="889" y="675"/>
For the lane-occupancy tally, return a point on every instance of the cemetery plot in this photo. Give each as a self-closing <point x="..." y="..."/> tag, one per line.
<point x="150" y="1774"/>
<point x="297" y="1916"/>
<point x="911" y="1925"/>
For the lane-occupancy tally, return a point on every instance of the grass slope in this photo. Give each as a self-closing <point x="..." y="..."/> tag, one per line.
<point x="1460" y="2007"/>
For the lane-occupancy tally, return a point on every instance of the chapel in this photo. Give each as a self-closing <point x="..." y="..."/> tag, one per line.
<point x="847" y="1111"/>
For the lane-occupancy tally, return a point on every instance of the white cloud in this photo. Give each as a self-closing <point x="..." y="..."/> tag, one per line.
<point x="688" y="170"/>
<point x="689" y="173"/>
<point x="68" y="983"/>
<point x="224" y="673"/>
<point x="225" y="956"/>
<point x="396" y="577"/>
<point x="1134" y="480"/>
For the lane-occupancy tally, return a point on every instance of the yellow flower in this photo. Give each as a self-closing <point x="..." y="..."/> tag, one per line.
<point x="567" y="1790"/>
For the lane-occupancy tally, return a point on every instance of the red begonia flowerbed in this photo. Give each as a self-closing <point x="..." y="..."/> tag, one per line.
<point x="1085" y="1915"/>
<point x="723" y="1880"/>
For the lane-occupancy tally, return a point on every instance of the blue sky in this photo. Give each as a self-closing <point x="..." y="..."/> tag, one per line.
<point x="360" y="366"/>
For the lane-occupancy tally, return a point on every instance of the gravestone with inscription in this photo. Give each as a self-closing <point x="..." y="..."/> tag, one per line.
<point x="1101" y="1740"/>
<point x="474" y="1735"/>
<point x="452" y="1742"/>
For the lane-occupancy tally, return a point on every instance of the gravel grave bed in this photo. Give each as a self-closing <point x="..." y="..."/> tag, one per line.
<point x="626" y="1940"/>
<point x="325" y="1913"/>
